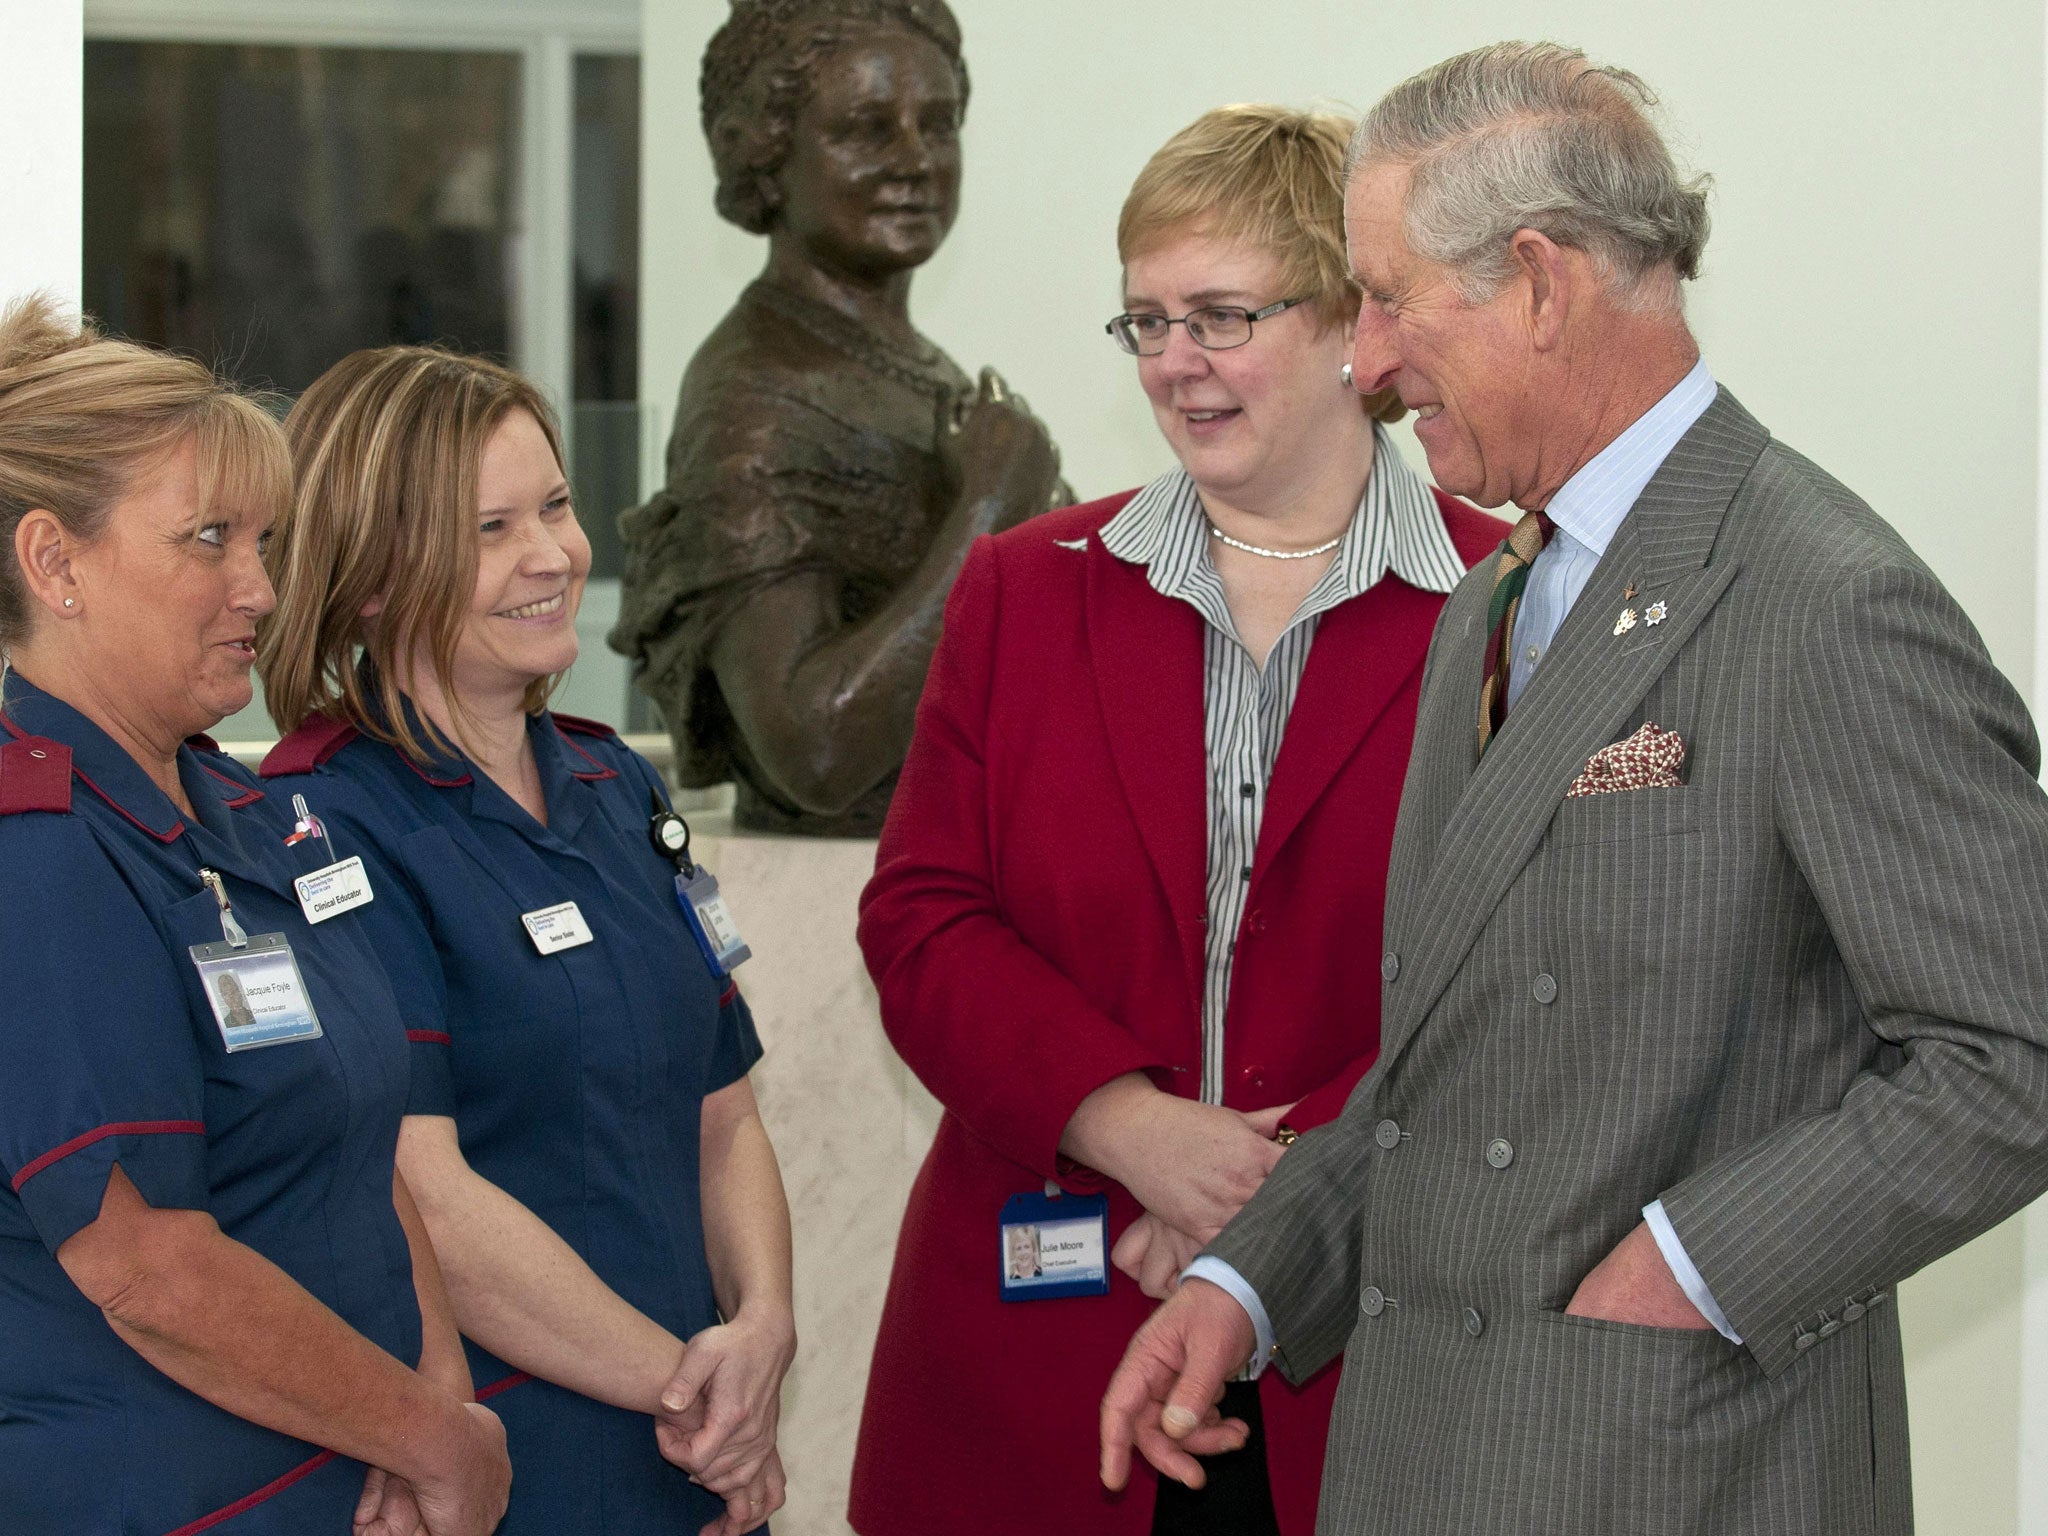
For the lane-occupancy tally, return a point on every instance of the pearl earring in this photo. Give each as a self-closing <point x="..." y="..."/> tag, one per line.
<point x="70" y="602"/>
<point x="1345" y="375"/>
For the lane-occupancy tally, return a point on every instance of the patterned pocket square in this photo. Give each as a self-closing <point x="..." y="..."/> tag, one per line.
<point x="1650" y="759"/>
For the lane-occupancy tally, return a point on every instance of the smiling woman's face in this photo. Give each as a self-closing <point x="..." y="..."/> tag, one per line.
<point x="872" y="182"/>
<point x="532" y="562"/>
<point x="170" y="602"/>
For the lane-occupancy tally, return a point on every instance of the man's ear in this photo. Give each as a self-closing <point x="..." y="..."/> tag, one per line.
<point x="1550" y="278"/>
<point x="43" y="550"/>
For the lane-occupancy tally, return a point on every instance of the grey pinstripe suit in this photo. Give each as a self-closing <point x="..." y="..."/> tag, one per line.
<point x="1801" y="999"/>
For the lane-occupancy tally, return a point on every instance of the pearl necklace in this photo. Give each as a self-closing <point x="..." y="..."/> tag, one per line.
<point x="1275" y="554"/>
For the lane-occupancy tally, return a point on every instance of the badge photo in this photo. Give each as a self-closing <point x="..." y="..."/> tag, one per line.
<point x="1054" y="1245"/>
<point x="258" y="996"/>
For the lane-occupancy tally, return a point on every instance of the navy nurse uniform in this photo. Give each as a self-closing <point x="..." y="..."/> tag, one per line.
<point x="576" y="1078"/>
<point x="109" y="1052"/>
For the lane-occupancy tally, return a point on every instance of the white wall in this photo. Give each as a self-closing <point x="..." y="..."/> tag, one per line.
<point x="1873" y="293"/>
<point x="42" y="118"/>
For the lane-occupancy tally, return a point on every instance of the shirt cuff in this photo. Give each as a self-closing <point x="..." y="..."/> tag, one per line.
<point x="1683" y="1270"/>
<point x="1212" y="1269"/>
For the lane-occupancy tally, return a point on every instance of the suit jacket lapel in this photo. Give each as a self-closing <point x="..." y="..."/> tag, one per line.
<point x="1365" y="652"/>
<point x="1578" y="701"/>
<point x="1147" y="654"/>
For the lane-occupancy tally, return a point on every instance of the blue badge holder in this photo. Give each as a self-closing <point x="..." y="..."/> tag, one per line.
<point x="1053" y="1245"/>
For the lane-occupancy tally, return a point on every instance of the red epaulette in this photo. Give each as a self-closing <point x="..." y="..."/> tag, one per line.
<point x="313" y="743"/>
<point x="577" y="725"/>
<point x="35" y="775"/>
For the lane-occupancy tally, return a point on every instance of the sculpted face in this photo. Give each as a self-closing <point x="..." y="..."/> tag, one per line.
<point x="872" y="182"/>
<point x="1247" y="423"/>
<point x="170" y="602"/>
<point x="532" y="561"/>
<point x="1469" y="372"/>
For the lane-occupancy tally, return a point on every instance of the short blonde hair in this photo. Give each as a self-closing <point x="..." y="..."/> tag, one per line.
<point x="1272" y="177"/>
<point x="387" y="446"/>
<point x="83" y="418"/>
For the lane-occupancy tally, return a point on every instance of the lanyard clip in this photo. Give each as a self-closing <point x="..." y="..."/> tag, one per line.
<point x="229" y="928"/>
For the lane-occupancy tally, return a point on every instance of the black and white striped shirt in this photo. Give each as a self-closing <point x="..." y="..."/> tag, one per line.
<point x="1397" y="527"/>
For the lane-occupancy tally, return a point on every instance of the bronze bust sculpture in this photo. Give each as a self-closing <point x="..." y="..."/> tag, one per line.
<point x="829" y="467"/>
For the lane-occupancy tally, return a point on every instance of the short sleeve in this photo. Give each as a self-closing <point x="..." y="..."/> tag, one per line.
<point x="738" y="1045"/>
<point x="101" y="1062"/>
<point x="400" y="930"/>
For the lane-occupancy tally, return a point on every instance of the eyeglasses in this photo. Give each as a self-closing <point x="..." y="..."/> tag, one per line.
<point x="1219" y="327"/>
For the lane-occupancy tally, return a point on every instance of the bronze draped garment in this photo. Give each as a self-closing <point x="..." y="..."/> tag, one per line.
<point x="801" y="444"/>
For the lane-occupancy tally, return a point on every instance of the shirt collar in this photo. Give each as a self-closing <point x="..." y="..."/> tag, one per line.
<point x="104" y="767"/>
<point x="1397" y="527"/>
<point x="1591" y="505"/>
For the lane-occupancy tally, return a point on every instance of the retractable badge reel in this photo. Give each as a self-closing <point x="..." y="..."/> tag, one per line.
<point x="711" y="925"/>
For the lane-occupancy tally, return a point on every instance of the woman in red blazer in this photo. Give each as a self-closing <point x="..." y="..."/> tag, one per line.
<point x="1126" y="909"/>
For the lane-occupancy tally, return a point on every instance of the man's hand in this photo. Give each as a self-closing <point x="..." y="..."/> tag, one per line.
<point x="1163" y="1396"/>
<point x="1633" y="1284"/>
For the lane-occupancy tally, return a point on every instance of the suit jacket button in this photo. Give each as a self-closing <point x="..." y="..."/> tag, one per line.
<point x="1373" y="1301"/>
<point x="1390" y="967"/>
<point x="1500" y="1152"/>
<point x="1544" y="988"/>
<point x="1805" y="1341"/>
<point x="1852" y="1311"/>
<point x="1830" y="1328"/>
<point x="1388" y="1134"/>
<point x="1876" y="1300"/>
<point x="1474" y="1323"/>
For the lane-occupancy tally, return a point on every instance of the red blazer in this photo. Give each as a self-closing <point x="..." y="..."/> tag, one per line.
<point x="1035" y="927"/>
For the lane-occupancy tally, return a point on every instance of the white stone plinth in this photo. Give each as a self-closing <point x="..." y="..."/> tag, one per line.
<point x="850" y="1126"/>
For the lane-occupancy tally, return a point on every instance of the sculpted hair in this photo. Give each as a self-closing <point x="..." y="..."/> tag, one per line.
<point x="386" y="446"/>
<point x="757" y="76"/>
<point x="1272" y="177"/>
<point x="82" y="418"/>
<point x="1534" y="136"/>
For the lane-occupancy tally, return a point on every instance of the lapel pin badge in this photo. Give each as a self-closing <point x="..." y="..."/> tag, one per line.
<point x="1628" y="593"/>
<point x="1626" y="622"/>
<point x="1656" y="613"/>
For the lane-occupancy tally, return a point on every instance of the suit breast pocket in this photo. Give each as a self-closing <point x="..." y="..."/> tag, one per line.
<point x="1625" y="816"/>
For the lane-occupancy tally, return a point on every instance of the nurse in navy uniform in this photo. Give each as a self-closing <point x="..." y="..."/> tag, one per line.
<point x="214" y="1289"/>
<point x="582" y="1137"/>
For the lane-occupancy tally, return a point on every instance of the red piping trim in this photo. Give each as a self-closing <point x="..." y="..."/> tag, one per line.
<point x="732" y="990"/>
<point x="177" y="827"/>
<point x="467" y="778"/>
<point x="269" y="1490"/>
<point x="598" y="771"/>
<point x="429" y="1037"/>
<point x="118" y="1128"/>
<point x="249" y="793"/>
<point x="503" y="1384"/>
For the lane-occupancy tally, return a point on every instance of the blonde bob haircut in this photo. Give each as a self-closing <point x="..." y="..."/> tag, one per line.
<point x="386" y="446"/>
<point x="83" y="419"/>
<point x="1272" y="177"/>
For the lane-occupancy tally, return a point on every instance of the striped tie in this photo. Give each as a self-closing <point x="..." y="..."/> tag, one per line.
<point x="1510" y="576"/>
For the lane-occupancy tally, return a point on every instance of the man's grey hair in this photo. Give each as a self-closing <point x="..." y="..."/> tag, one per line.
<point x="1535" y="136"/>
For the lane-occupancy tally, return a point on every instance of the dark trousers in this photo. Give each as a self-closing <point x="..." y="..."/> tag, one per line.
<point x="1238" y="1498"/>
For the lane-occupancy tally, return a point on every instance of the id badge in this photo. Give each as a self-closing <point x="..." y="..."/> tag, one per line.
<point x="1054" y="1245"/>
<point x="717" y="935"/>
<point x="558" y="927"/>
<point x="334" y="890"/>
<point x="258" y="995"/>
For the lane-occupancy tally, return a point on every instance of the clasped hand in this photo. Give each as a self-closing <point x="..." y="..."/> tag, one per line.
<point x="719" y="1415"/>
